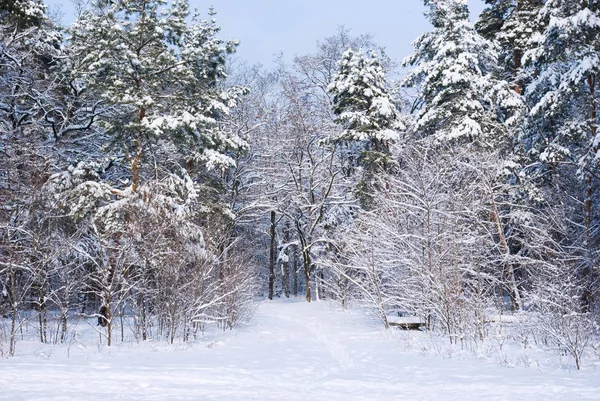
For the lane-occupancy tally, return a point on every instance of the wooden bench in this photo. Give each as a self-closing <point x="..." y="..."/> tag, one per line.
<point x="406" y="322"/>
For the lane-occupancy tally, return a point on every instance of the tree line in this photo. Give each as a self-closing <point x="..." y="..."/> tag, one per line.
<point x="148" y="172"/>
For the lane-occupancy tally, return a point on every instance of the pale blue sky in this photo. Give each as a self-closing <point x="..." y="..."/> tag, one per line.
<point x="267" y="27"/>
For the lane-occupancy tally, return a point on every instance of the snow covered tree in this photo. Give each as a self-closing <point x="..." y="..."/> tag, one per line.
<point x="512" y="23"/>
<point x="454" y="69"/>
<point x="159" y="75"/>
<point x="143" y="178"/>
<point x="562" y="145"/>
<point x="362" y="103"/>
<point x="318" y="69"/>
<point x="311" y="177"/>
<point x="465" y="104"/>
<point x="367" y="115"/>
<point x="23" y="14"/>
<point x="30" y="47"/>
<point x="293" y="170"/>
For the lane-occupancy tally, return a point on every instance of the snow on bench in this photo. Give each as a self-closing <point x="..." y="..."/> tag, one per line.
<point x="406" y="322"/>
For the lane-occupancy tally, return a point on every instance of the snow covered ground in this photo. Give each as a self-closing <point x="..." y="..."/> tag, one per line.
<point x="291" y="351"/>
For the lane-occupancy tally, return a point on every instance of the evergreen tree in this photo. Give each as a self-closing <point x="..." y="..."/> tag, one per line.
<point x="145" y="188"/>
<point x="23" y="14"/>
<point x="564" y="92"/>
<point x="454" y="69"/>
<point x="362" y="104"/>
<point x="160" y="77"/>
<point x="367" y="115"/>
<point x="465" y="105"/>
<point x="493" y="17"/>
<point x="562" y="144"/>
<point x="512" y="23"/>
<point x="158" y="80"/>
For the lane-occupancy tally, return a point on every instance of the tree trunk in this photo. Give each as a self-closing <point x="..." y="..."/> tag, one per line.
<point x="14" y="310"/>
<point x="295" y="270"/>
<point x="286" y="278"/>
<point x="142" y="309"/>
<point x="285" y="268"/>
<point x="63" y="331"/>
<point x="43" y="321"/>
<point x="121" y="320"/>
<point x="317" y="289"/>
<point x="13" y="332"/>
<point x="108" y="324"/>
<point x="510" y="270"/>
<point x="272" y="257"/>
<point x="321" y="284"/>
<point x="306" y="260"/>
<point x="307" y="275"/>
<point x="587" y="241"/>
<point x="517" y="54"/>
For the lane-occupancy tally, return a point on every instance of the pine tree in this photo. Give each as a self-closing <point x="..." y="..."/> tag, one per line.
<point x="563" y="142"/>
<point x="23" y="14"/>
<point x="158" y="80"/>
<point x="144" y="186"/>
<point x="492" y="19"/>
<point x="512" y="23"/>
<point x="564" y="92"/>
<point x="466" y="105"/>
<point x="362" y="104"/>
<point x="455" y="70"/>
<point x="367" y="115"/>
<point x="159" y="75"/>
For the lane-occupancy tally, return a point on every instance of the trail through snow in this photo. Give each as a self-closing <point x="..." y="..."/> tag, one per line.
<point x="291" y="351"/>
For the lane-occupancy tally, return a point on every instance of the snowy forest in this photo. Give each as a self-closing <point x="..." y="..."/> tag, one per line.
<point x="154" y="185"/>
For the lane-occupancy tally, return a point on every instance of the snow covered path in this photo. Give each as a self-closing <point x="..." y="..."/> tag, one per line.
<point x="292" y="351"/>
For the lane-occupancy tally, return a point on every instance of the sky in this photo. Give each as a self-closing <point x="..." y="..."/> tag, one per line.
<point x="268" y="27"/>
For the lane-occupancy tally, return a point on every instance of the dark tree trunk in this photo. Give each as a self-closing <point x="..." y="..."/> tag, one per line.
<point x="307" y="263"/>
<point x="43" y="320"/>
<point x="306" y="260"/>
<point x="517" y="54"/>
<point x="286" y="264"/>
<point x="588" y="270"/>
<point x="295" y="270"/>
<point x="272" y="257"/>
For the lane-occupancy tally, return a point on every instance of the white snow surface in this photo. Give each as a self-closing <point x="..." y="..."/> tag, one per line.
<point x="292" y="350"/>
